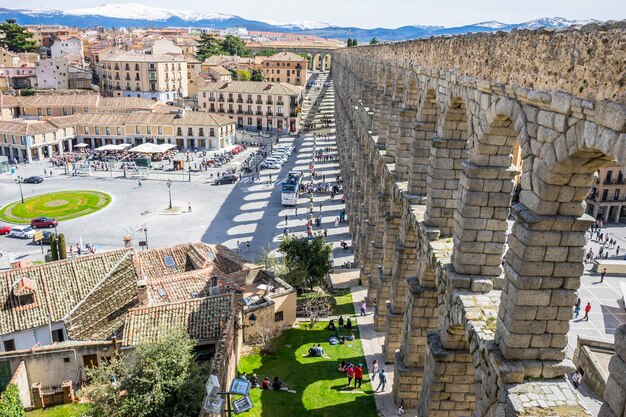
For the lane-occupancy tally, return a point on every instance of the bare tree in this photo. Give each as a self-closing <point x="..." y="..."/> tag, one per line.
<point x="316" y="307"/>
<point x="266" y="331"/>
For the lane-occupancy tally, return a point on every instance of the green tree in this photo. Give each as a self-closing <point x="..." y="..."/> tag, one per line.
<point x="374" y="41"/>
<point x="349" y="42"/>
<point x="162" y="380"/>
<point x="309" y="59"/>
<point x="307" y="261"/>
<point x="266" y="52"/>
<point x="62" y="247"/>
<point x="208" y="45"/>
<point x="234" y="45"/>
<point x="243" y="75"/>
<point x="54" y="250"/>
<point x="256" y="76"/>
<point x="355" y="42"/>
<point x="16" y="38"/>
<point x="10" y="402"/>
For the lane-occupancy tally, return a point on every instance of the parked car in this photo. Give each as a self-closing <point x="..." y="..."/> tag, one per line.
<point x="5" y="230"/>
<point x="33" y="180"/>
<point x="46" y="238"/>
<point x="43" y="222"/>
<point x="24" y="232"/>
<point x="226" y="179"/>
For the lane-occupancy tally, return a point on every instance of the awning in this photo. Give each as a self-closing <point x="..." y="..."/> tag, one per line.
<point x="81" y="145"/>
<point x="111" y="148"/>
<point x="152" y="148"/>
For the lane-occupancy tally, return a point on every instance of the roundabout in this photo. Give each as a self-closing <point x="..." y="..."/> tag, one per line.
<point x="63" y="205"/>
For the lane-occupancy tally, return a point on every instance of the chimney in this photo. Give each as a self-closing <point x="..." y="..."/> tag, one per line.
<point x="142" y="292"/>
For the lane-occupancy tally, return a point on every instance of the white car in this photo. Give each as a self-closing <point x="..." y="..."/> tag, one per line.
<point x="24" y="232"/>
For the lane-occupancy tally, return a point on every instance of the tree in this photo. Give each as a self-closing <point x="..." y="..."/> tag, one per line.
<point x="162" y="380"/>
<point x="16" y="38"/>
<point x="208" y="45"/>
<point x="316" y="306"/>
<point x="309" y="59"/>
<point x="256" y="76"/>
<point x="374" y="41"/>
<point x="349" y="42"/>
<point x="10" y="402"/>
<point x="234" y="45"/>
<point x="307" y="261"/>
<point x="54" y="250"/>
<point x="62" y="247"/>
<point x="355" y="42"/>
<point x="243" y="75"/>
<point x="266" y="52"/>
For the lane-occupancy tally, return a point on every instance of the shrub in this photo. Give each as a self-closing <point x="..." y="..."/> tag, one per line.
<point x="11" y="403"/>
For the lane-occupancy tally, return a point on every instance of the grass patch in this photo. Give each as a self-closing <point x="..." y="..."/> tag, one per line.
<point x="321" y="390"/>
<point x="343" y="302"/>
<point x="490" y="323"/>
<point x="68" y="410"/>
<point x="63" y="205"/>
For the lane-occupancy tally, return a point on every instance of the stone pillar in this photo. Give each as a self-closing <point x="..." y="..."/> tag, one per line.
<point x="70" y="145"/>
<point x="39" y="153"/>
<point x="618" y="210"/>
<point x="444" y="172"/>
<point x="49" y="150"/>
<point x="68" y="392"/>
<point x="11" y="154"/>
<point x="542" y="273"/>
<point x="60" y="147"/>
<point x="605" y="214"/>
<point x="480" y="222"/>
<point x="35" y="391"/>
<point x="405" y="143"/>
<point x="393" y="131"/>
<point x="390" y="236"/>
<point x="615" y="390"/>
<point x="29" y="155"/>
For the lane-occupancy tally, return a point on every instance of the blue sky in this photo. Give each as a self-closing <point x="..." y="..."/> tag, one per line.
<point x="375" y="13"/>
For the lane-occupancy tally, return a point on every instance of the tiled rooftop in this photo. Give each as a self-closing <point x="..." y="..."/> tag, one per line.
<point x="253" y="87"/>
<point x="202" y="318"/>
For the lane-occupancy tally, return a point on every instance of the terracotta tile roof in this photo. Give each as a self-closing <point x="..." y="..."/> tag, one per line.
<point x="7" y="101"/>
<point x="186" y="286"/>
<point x="285" y="56"/>
<point x="101" y="313"/>
<point x="201" y="118"/>
<point x="144" y="58"/>
<point x="25" y="127"/>
<point x="150" y="264"/>
<point x="227" y="261"/>
<point x="253" y="87"/>
<point x="59" y="287"/>
<point x="202" y="318"/>
<point x="92" y="101"/>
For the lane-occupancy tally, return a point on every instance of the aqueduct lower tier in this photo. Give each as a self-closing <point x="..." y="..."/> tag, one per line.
<point x="476" y="318"/>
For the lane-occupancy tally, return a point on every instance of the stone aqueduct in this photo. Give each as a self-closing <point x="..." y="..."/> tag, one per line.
<point x="475" y="318"/>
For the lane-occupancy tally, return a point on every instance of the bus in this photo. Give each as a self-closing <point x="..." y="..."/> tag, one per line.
<point x="291" y="188"/>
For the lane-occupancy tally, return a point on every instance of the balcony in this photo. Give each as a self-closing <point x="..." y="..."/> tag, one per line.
<point x="249" y="101"/>
<point x="269" y="113"/>
<point x="259" y="102"/>
<point x="221" y="111"/>
<point x="231" y="111"/>
<point x="249" y="112"/>
<point x="269" y="101"/>
<point x="239" y="111"/>
<point x="231" y="100"/>
<point x="259" y="113"/>
<point x="117" y="77"/>
<point x="220" y="99"/>
<point x="280" y="103"/>
<point x="293" y="114"/>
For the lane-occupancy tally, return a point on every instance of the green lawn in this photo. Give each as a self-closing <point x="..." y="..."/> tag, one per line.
<point x="344" y="305"/>
<point x="61" y="205"/>
<point x="70" y="410"/>
<point x="321" y="390"/>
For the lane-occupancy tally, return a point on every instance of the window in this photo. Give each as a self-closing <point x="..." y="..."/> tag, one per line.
<point x="119" y="131"/>
<point x="201" y="131"/>
<point x="85" y="109"/>
<point x="278" y="316"/>
<point x="58" y="336"/>
<point x="179" y="131"/>
<point x="609" y="174"/>
<point x="211" y="132"/>
<point x="39" y="113"/>
<point x="616" y="195"/>
<point x="160" y="130"/>
<point x="149" y="130"/>
<point x="48" y="111"/>
<point x="137" y="130"/>
<point x="86" y="130"/>
<point x="64" y="111"/>
<point x="107" y="130"/>
<point x="605" y="195"/>
<point x="97" y="130"/>
<point x="190" y="131"/>
<point x="9" y="345"/>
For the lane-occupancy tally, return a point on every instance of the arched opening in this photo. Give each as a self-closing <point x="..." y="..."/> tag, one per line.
<point x="423" y="134"/>
<point x="317" y="62"/>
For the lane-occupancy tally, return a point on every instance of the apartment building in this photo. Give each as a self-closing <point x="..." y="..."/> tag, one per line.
<point x="285" y="67"/>
<point x="27" y="140"/>
<point x="255" y="105"/>
<point x="156" y="77"/>
<point x="607" y="199"/>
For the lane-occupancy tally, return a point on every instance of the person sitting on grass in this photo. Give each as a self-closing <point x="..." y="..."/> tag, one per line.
<point x="343" y="366"/>
<point x="334" y="339"/>
<point x="320" y="350"/>
<point x="350" y="336"/>
<point x="343" y="340"/>
<point x="348" y="324"/>
<point x="313" y="351"/>
<point x="254" y="380"/>
<point x="331" y="325"/>
<point x="278" y="384"/>
<point x="266" y="383"/>
<point x="340" y="321"/>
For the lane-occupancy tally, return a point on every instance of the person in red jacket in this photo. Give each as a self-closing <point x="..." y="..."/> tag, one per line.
<point x="358" y="376"/>
<point x="587" y="310"/>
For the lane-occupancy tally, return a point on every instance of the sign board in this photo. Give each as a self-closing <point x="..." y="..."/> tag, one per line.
<point x="212" y="385"/>
<point x="242" y="405"/>
<point x="240" y="386"/>
<point x="142" y="243"/>
<point x="213" y="405"/>
<point x="38" y="236"/>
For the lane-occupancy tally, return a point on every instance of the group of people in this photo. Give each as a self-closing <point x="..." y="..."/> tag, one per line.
<point x="316" y="351"/>
<point x="587" y="309"/>
<point x="89" y="249"/>
<point x="276" y="385"/>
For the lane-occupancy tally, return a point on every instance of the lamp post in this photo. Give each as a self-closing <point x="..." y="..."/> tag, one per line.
<point x="251" y="320"/>
<point x="19" y="180"/>
<point x="169" y="190"/>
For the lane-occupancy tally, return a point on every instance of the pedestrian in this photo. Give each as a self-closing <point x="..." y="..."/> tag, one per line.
<point x="374" y="369"/>
<point x="78" y="249"/>
<point x="382" y="380"/>
<point x="587" y="310"/>
<point x="189" y="207"/>
<point x="577" y="309"/>
<point x="337" y="221"/>
<point x="363" y="305"/>
<point x="358" y="376"/>
<point x="320" y="206"/>
<point x="617" y="251"/>
<point x="71" y="250"/>
<point x="285" y="232"/>
<point x="140" y="184"/>
<point x="286" y="218"/>
<point x="602" y="275"/>
<point x="248" y="246"/>
<point x="350" y="373"/>
<point x="238" y="246"/>
<point x="325" y="233"/>
<point x="340" y="321"/>
<point x="296" y="214"/>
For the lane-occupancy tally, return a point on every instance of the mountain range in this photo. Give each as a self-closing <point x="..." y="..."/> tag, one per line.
<point x="132" y="15"/>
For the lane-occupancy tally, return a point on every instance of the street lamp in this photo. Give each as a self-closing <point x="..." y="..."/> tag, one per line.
<point x="169" y="189"/>
<point x="19" y="180"/>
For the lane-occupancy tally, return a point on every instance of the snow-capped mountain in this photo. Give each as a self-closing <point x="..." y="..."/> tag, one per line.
<point x="141" y="15"/>
<point x="143" y="12"/>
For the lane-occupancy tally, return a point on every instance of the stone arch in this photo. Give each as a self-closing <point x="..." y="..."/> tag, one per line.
<point x="447" y="154"/>
<point x="424" y="132"/>
<point x="327" y="60"/>
<point x="317" y="59"/>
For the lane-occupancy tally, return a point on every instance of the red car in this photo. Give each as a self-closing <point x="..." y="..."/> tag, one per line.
<point x="5" y="230"/>
<point x="43" y="222"/>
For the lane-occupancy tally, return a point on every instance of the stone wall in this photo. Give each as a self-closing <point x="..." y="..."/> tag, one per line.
<point x="615" y="390"/>
<point x="426" y="131"/>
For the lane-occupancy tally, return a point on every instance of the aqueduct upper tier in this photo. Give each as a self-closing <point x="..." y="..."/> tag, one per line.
<point x="441" y="141"/>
